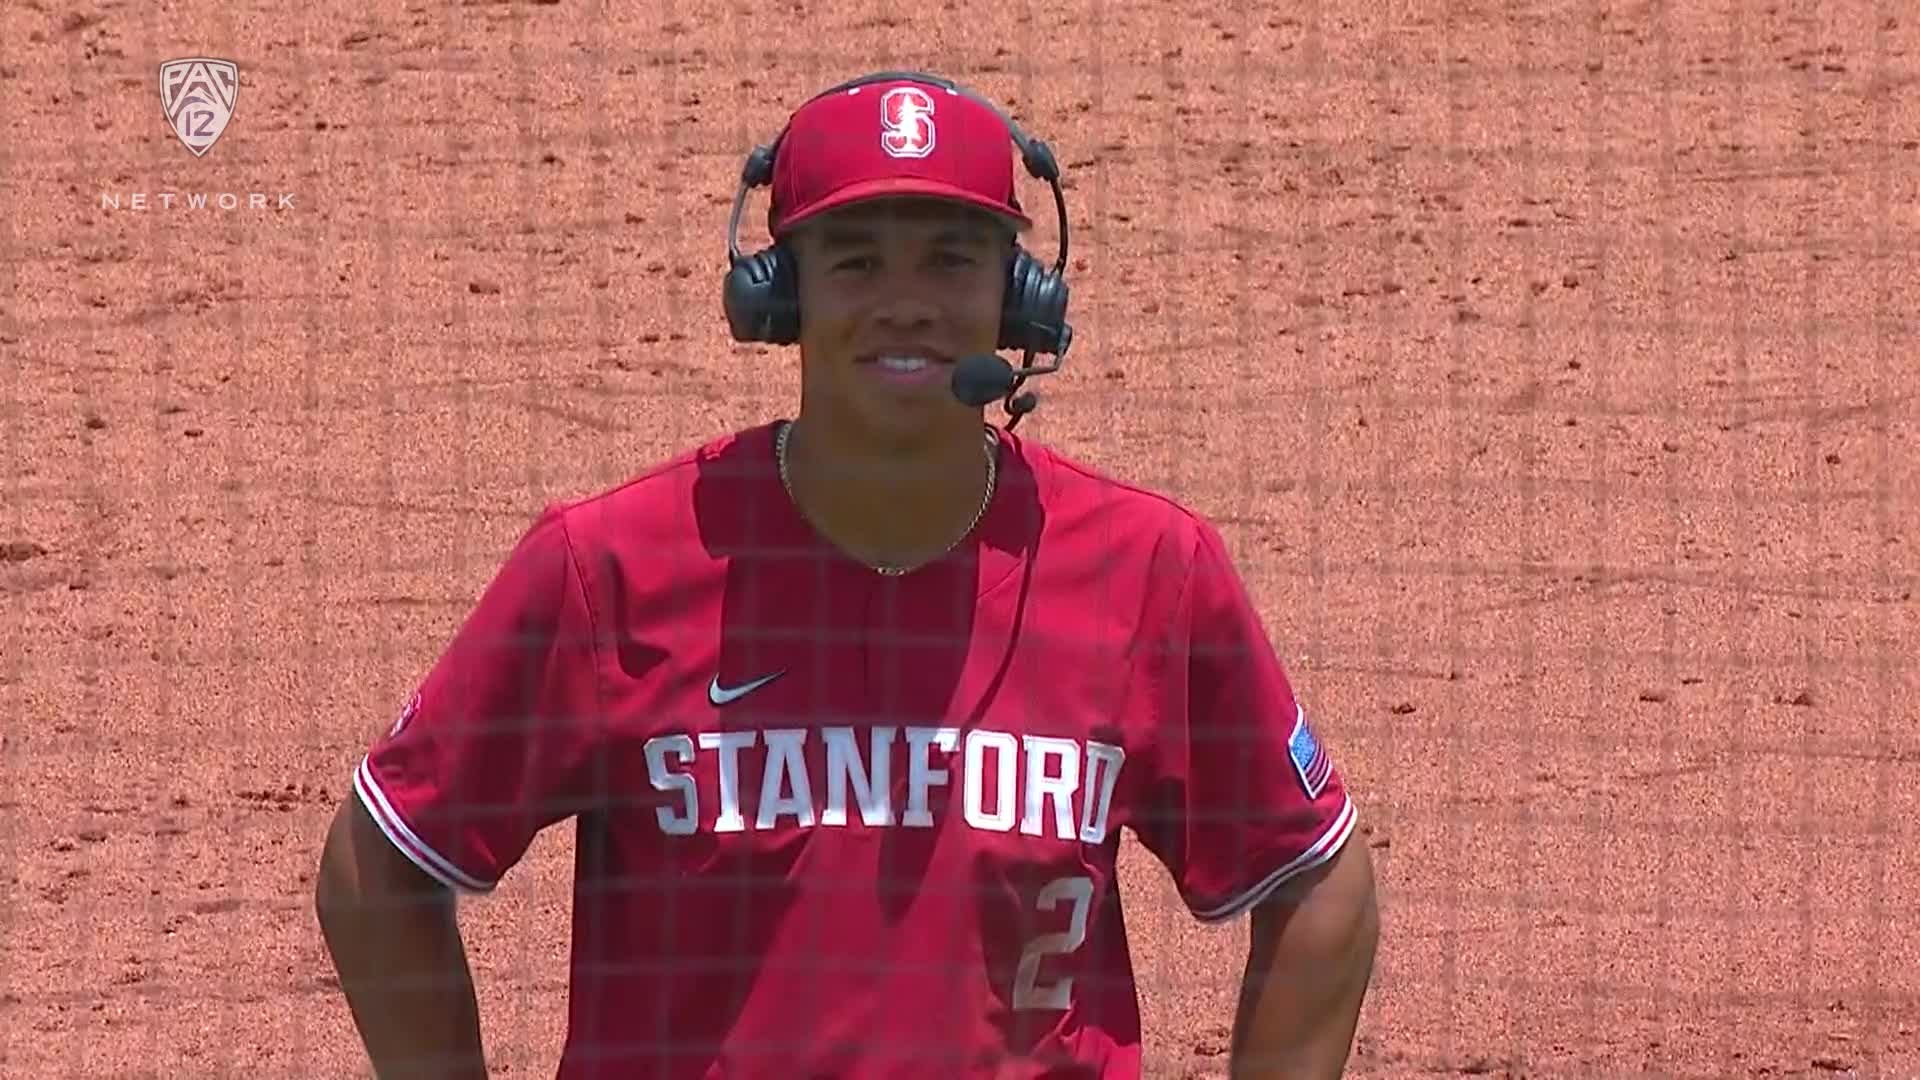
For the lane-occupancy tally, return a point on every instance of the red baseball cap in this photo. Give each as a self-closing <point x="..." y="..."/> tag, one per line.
<point x="894" y="138"/>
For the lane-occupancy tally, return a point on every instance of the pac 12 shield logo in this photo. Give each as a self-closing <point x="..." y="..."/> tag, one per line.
<point x="198" y="94"/>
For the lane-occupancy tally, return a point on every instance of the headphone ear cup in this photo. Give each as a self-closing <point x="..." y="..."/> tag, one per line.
<point x="1034" y="315"/>
<point x="761" y="299"/>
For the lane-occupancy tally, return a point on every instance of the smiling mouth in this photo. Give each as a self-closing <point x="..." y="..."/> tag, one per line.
<point x="905" y="362"/>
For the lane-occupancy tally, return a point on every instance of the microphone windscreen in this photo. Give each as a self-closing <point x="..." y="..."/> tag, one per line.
<point x="981" y="378"/>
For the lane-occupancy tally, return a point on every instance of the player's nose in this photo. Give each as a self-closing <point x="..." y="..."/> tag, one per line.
<point x="905" y="304"/>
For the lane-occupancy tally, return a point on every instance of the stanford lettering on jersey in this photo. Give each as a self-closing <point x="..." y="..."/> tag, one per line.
<point x="1041" y="785"/>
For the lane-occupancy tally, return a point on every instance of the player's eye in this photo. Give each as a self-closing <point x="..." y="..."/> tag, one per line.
<point x="854" y="264"/>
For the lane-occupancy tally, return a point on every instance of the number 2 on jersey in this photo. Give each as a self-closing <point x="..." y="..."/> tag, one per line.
<point x="1078" y="892"/>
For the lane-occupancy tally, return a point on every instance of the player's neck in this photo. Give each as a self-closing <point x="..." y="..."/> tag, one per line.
<point x="886" y="505"/>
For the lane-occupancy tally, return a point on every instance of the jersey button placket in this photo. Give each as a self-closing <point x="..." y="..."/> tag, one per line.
<point x="853" y="639"/>
<point x="881" y="598"/>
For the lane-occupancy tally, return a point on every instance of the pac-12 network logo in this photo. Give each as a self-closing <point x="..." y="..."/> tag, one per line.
<point x="198" y="94"/>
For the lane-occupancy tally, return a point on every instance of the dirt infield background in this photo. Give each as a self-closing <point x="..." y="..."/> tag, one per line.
<point x="1548" y="365"/>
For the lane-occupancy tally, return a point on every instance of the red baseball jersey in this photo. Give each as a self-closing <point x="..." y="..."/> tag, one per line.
<point x="837" y="824"/>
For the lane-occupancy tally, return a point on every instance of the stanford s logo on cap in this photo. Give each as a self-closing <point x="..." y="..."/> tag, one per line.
<point x="906" y="122"/>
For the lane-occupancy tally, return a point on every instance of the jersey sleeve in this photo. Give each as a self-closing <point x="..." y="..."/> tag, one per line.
<point x="1244" y="794"/>
<point x="499" y="739"/>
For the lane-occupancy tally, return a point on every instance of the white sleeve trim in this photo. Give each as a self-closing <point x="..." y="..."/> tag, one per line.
<point x="1331" y="840"/>
<point x="418" y="851"/>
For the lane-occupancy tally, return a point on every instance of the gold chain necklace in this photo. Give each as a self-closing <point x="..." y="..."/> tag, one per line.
<point x="780" y="456"/>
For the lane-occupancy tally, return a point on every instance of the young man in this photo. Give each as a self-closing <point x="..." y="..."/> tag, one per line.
<point x="850" y="713"/>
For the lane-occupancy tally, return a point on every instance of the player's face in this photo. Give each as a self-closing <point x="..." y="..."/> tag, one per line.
<point x="892" y="292"/>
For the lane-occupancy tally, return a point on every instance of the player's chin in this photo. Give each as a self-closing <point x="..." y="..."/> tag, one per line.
<point x="907" y="420"/>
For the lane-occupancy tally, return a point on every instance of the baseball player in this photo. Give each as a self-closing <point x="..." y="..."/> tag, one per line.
<point x="849" y="712"/>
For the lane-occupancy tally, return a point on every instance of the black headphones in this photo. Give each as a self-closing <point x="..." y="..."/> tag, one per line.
<point x="760" y="296"/>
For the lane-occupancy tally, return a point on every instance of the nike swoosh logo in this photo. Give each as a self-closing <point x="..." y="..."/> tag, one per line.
<point x="722" y="695"/>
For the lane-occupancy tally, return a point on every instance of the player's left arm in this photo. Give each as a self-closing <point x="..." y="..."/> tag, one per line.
<point x="1309" y="961"/>
<point x="1245" y="807"/>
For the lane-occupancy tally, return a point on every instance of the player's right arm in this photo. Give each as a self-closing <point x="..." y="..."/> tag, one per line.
<point x="500" y="742"/>
<point x="397" y="950"/>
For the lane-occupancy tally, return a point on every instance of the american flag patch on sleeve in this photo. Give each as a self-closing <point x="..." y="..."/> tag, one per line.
<point x="1310" y="761"/>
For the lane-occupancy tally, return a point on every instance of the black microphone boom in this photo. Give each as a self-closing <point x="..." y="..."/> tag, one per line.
<point x="983" y="378"/>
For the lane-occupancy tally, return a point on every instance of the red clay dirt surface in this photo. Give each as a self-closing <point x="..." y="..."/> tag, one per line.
<point x="1547" y="365"/>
